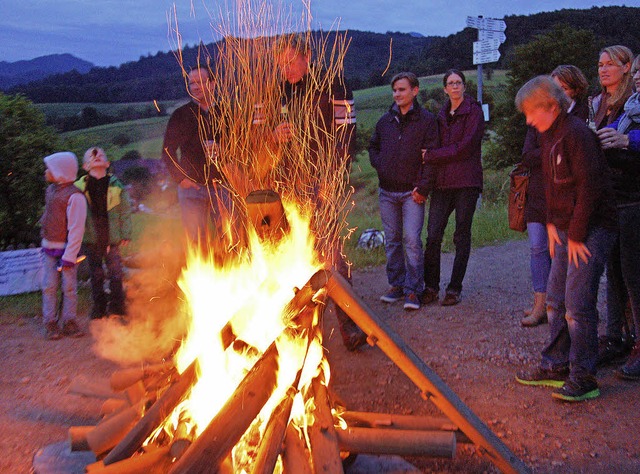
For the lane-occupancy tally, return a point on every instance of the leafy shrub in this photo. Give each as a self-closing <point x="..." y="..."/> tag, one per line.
<point x="24" y="141"/>
<point x="121" y="139"/>
<point x="131" y="155"/>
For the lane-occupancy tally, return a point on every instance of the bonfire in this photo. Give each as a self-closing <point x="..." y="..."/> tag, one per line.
<point x="246" y="390"/>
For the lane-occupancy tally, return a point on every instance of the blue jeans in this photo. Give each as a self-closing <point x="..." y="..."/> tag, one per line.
<point x="51" y="280"/>
<point x="203" y="209"/>
<point x="113" y="262"/>
<point x="540" y="260"/>
<point x="402" y="220"/>
<point x="572" y="295"/>
<point x="443" y="203"/>
<point x="623" y="273"/>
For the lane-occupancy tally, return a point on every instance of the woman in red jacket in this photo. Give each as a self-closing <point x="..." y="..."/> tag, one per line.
<point x="457" y="170"/>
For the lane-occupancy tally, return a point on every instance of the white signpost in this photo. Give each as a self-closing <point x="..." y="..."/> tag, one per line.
<point x="485" y="45"/>
<point x="484" y="57"/>
<point x="485" y="50"/>
<point x="489" y="35"/>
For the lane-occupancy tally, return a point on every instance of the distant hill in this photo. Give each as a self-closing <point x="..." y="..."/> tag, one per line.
<point x="368" y="57"/>
<point x="157" y="77"/>
<point x="23" y="72"/>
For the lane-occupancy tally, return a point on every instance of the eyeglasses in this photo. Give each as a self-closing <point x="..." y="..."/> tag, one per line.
<point x="454" y="84"/>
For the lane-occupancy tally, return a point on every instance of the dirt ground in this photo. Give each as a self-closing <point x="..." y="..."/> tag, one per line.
<point x="476" y="347"/>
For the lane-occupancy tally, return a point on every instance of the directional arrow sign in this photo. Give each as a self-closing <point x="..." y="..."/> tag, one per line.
<point x="486" y="57"/>
<point x="486" y="23"/>
<point x="485" y="45"/>
<point x="487" y="35"/>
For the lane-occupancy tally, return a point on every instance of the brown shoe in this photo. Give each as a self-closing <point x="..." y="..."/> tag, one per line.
<point x="52" y="331"/>
<point x="71" y="329"/>
<point x="451" y="299"/>
<point x="428" y="296"/>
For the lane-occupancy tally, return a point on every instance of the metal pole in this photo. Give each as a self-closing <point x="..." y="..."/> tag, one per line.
<point x="479" y="72"/>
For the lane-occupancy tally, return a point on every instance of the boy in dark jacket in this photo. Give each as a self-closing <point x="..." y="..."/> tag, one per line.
<point x="580" y="225"/>
<point x="108" y="227"/>
<point x="396" y="152"/>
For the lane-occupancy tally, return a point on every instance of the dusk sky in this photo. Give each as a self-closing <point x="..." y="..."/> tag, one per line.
<point x="111" y="32"/>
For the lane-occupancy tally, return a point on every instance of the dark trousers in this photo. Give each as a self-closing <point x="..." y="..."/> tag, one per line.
<point x="114" y="302"/>
<point x="623" y="274"/>
<point x="443" y="203"/>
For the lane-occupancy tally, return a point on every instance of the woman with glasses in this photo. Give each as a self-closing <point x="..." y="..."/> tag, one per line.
<point x="580" y="223"/>
<point x="575" y="85"/>
<point x="457" y="169"/>
<point x="614" y="73"/>
<point x="621" y="144"/>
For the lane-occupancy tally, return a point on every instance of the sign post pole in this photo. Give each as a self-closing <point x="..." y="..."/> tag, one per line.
<point x="485" y="50"/>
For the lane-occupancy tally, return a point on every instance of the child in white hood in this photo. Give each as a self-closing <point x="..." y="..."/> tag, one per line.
<point x="62" y="228"/>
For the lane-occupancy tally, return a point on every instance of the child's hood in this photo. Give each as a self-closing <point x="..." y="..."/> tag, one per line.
<point x="63" y="166"/>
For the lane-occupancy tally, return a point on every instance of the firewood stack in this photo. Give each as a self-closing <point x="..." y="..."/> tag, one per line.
<point x="139" y="400"/>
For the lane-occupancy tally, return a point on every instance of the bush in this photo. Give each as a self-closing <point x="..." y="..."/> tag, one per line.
<point x="363" y="135"/>
<point x="24" y="141"/>
<point x="137" y="174"/>
<point x="121" y="139"/>
<point x="131" y="155"/>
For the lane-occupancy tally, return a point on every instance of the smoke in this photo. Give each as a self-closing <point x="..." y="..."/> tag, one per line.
<point x="155" y="321"/>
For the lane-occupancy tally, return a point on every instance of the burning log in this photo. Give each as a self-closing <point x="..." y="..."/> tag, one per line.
<point x="399" y="442"/>
<point x="155" y="461"/>
<point x="93" y="388"/>
<point x="182" y="439"/>
<point x="78" y="438"/>
<point x="295" y="456"/>
<point x="112" y="405"/>
<point x="274" y="434"/>
<point x="152" y="419"/>
<point x="123" y="378"/>
<point x="224" y="431"/>
<point x="135" y="392"/>
<point x="432" y="387"/>
<point x="108" y="433"/>
<point x="402" y="422"/>
<point x="271" y="443"/>
<point x="325" y="451"/>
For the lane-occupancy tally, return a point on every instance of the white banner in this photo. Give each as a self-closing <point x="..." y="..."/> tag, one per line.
<point x="20" y="271"/>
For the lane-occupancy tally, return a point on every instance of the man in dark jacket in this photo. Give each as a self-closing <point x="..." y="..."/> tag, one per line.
<point x="580" y="225"/>
<point x="316" y="124"/>
<point x="400" y="138"/>
<point x="188" y="149"/>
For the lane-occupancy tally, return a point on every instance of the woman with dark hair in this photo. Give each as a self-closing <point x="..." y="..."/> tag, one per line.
<point x="574" y="84"/>
<point x="457" y="169"/>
